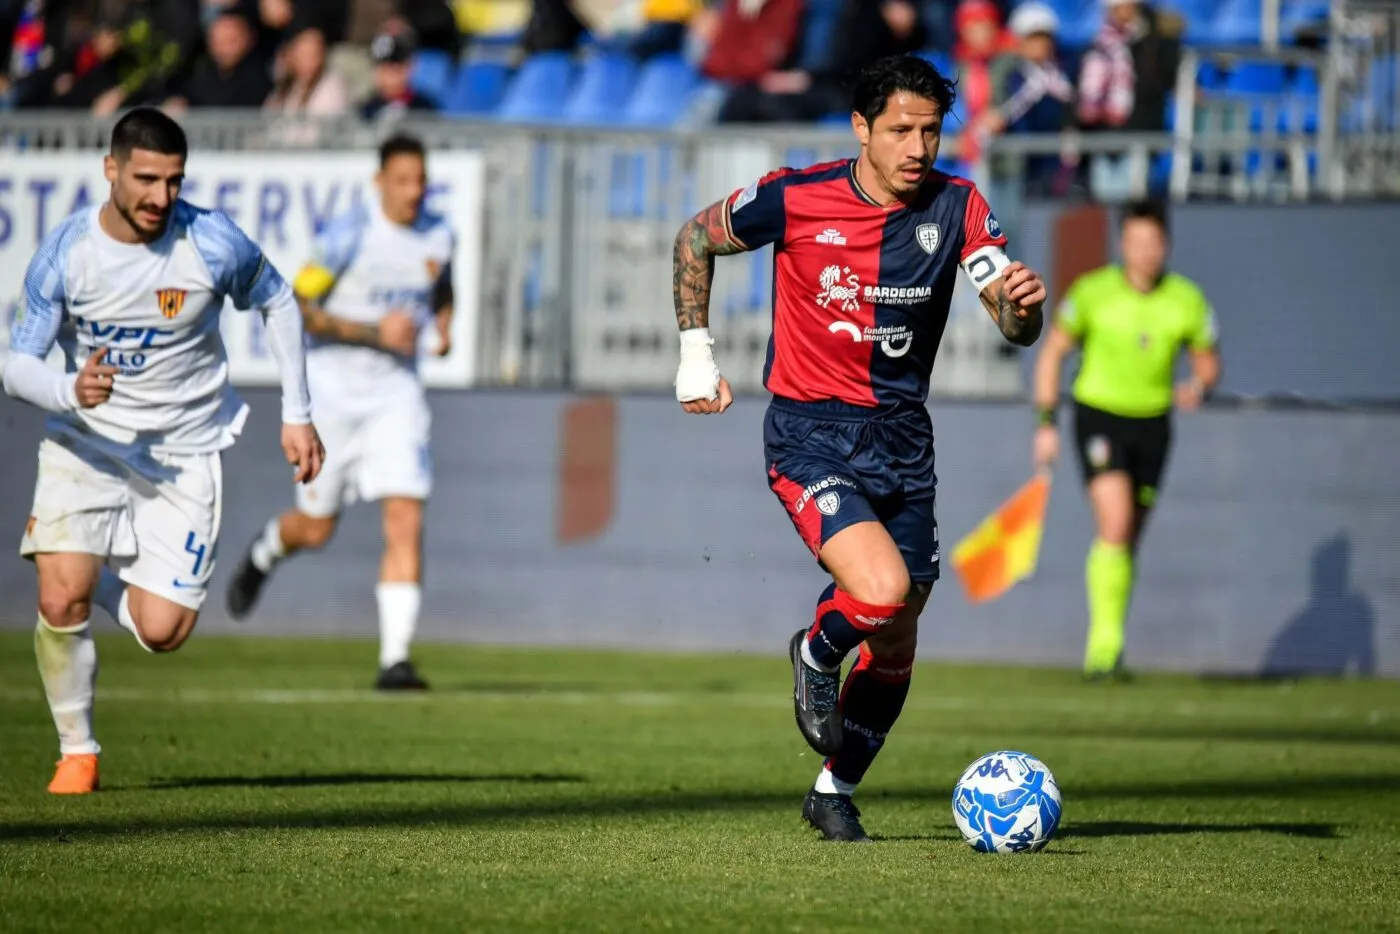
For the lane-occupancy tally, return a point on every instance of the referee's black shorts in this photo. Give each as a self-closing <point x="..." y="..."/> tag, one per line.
<point x="1137" y="446"/>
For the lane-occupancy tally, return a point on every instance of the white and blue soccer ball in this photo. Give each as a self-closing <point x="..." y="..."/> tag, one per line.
<point x="1007" y="802"/>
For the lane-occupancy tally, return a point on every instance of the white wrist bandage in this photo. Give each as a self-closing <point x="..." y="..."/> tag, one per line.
<point x="698" y="376"/>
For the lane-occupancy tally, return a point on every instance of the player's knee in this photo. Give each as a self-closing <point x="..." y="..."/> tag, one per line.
<point x="63" y="609"/>
<point x="881" y="585"/>
<point x="166" y="632"/>
<point x="317" y="531"/>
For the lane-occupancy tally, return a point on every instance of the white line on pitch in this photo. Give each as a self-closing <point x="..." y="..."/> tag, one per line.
<point x="990" y="704"/>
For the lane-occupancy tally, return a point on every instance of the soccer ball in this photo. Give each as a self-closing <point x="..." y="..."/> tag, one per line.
<point x="1007" y="802"/>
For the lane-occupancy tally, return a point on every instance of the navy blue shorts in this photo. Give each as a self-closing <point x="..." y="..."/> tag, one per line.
<point x="833" y="465"/>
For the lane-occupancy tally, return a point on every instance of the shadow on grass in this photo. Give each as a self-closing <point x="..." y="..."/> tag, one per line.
<point x="577" y="807"/>
<point x="1115" y="828"/>
<point x="351" y="778"/>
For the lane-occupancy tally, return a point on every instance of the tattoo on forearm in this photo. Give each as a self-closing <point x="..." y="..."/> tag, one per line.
<point x="693" y="264"/>
<point x="1020" y="331"/>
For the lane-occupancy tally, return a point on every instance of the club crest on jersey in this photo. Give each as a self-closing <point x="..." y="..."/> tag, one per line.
<point x="929" y="236"/>
<point x="835" y="292"/>
<point x="171" y="301"/>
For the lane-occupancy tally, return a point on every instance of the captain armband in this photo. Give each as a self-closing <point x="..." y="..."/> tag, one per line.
<point x="985" y="266"/>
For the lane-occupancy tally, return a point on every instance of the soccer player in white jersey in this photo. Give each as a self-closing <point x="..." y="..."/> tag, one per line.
<point x="381" y="274"/>
<point x="127" y="503"/>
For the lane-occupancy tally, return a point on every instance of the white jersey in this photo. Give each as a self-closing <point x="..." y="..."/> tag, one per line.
<point x="364" y="267"/>
<point x="156" y="309"/>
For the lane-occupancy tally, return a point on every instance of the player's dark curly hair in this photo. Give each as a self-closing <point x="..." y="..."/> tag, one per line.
<point x="149" y="129"/>
<point x="907" y="73"/>
<point x="400" y="144"/>
<point x="1150" y="209"/>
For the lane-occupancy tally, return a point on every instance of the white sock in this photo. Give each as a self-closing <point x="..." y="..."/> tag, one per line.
<point x="68" y="666"/>
<point x="110" y="590"/>
<point x="807" y="657"/>
<point x="828" y="784"/>
<point x="268" y="549"/>
<point x="398" y="618"/>
<point x="128" y="622"/>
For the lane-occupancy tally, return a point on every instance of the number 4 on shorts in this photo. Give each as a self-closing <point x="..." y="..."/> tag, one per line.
<point x="190" y="542"/>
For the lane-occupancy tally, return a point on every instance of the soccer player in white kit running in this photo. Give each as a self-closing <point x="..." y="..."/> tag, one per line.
<point x="129" y="472"/>
<point x="380" y="275"/>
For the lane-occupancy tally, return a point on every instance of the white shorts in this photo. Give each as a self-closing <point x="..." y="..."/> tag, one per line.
<point x="156" y="520"/>
<point x="372" y="456"/>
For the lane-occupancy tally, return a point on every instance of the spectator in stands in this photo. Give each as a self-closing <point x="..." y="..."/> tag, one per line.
<point x="125" y="54"/>
<point x="839" y="38"/>
<point x="664" y="27"/>
<point x="303" y="83"/>
<point x="981" y="39"/>
<point x="1124" y="83"/>
<point x="392" y="53"/>
<point x="231" y="76"/>
<point x="1031" y="93"/>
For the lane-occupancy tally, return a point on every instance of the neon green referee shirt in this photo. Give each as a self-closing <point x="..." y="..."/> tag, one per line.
<point x="1129" y="341"/>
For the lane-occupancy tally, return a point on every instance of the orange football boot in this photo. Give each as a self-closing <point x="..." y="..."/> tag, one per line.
<point x="75" y="775"/>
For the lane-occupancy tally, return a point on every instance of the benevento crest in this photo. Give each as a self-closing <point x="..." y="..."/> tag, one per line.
<point x="171" y="301"/>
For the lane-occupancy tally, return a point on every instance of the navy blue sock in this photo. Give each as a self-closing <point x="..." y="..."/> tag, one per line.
<point x="871" y="700"/>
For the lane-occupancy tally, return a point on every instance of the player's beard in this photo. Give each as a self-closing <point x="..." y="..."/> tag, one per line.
<point x="144" y="228"/>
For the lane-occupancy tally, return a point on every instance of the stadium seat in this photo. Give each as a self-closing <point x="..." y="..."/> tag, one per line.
<point x="603" y="88"/>
<point x="1236" y="22"/>
<point x="540" y="89"/>
<point x="478" y="89"/>
<point x="431" y="74"/>
<point x="662" y="92"/>
<point x="1301" y="17"/>
<point x="940" y="60"/>
<point x="1256" y="78"/>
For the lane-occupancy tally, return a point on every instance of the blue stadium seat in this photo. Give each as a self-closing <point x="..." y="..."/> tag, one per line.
<point x="1211" y="77"/>
<point x="540" y="89"/>
<point x="1236" y="23"/>
<point x="1256" y="78"/>
<point x="602" y="90"/>
<point x="940" y="60"/>
<point x="1077" y="30"/>
<point x="431" y="74"/>
<point x="663" y="90"/>
<point x="1299" y="16"/>
<point x="478" y="89"/>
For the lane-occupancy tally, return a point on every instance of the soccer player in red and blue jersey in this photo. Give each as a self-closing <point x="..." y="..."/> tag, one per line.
<point x="866" y="253"/>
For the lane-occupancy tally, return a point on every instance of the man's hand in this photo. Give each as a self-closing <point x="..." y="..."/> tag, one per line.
<point x="444" y="335"/>
<point x="94" y="383"/>
<point x="1045" y="447"/>
<point x="303" y="448"/>
<point x="1023" y="287"/>
<point x="1189" y="395"/>
<point x="699" y="388"/>
<point x="723" y="399"/>
<point x="398" y="333"/>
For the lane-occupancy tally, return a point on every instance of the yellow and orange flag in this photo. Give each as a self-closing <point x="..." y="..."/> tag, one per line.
<point x="1003" y="549"/>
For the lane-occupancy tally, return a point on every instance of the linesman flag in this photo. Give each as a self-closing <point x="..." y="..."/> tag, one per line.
<point x="1003" y="549"/>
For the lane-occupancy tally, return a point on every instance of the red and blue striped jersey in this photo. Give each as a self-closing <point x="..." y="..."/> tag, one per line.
<point x="861" y="292"/>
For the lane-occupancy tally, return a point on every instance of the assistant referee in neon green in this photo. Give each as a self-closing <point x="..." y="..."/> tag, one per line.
<point x="1130" y="322"/>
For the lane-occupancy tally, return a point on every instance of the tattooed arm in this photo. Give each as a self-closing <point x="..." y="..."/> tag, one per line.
<point x="700" y="240"/>
<point x="1015" y="301"/>
<point x="699" y="387"/>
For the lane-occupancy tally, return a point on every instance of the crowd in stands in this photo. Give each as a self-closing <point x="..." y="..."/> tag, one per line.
<point x="763" y="60"/>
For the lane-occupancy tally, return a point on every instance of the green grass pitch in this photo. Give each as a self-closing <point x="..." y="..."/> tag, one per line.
<point x="255" y="785"/>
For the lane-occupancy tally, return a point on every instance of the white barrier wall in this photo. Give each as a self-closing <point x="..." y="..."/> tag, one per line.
<point x="281" y="200"/>
<point x="593" y="522"/>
